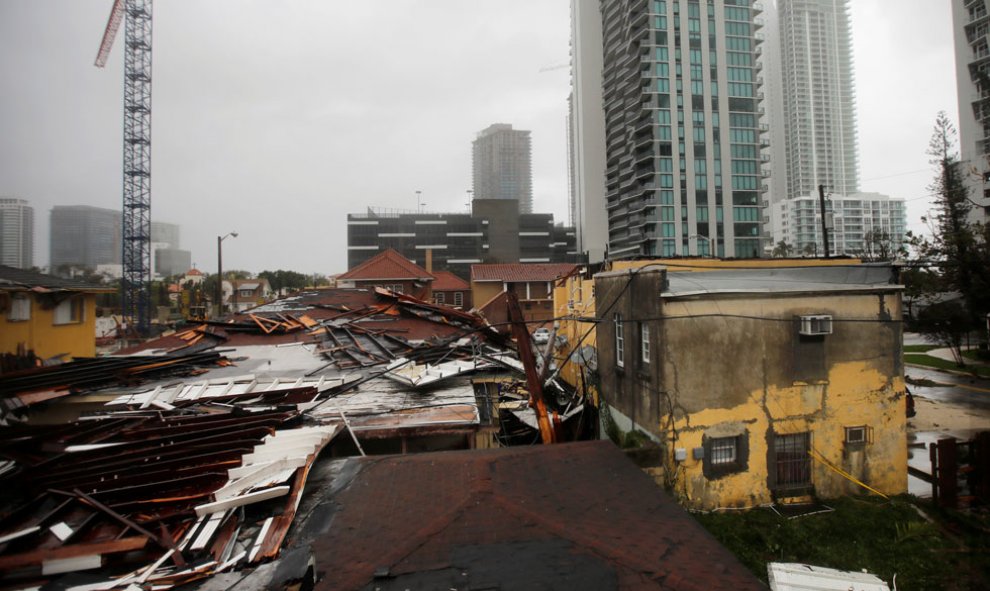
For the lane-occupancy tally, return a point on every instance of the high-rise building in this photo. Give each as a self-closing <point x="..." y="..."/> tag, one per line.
<point x="863" y="224"/>
<point x="681" y="91"/>
<point x="814" y="43"/>
<point x="16" y="233"/>
<point x="971" y="26"/>
<point x="502" y="165"/>
<point x="89" y="237"/>
<point x="586" y="130"/>
<point x="84" y="236"/>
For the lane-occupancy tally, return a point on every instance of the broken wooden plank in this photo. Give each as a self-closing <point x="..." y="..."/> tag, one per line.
<point x="254" y="497"/>
<point x="36" y="557"/>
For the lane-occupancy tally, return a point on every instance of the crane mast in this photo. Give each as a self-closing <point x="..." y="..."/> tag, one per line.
<point x="136" y="235"/>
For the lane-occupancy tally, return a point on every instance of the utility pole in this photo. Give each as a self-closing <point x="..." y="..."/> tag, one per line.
<point x="821" y="200"/>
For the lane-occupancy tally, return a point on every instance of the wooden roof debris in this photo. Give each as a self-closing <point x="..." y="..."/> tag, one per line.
<point x="189" y="460"/>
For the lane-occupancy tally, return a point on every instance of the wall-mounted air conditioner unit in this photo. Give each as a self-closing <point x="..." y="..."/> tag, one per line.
<point x="819" y="324"/>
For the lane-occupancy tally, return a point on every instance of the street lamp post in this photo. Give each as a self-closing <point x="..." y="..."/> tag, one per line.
<point x="220" y="240"/>
<point x="419" y="204"/>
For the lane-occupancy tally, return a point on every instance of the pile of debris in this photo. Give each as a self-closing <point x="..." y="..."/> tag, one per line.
<point x="188" y="456"/>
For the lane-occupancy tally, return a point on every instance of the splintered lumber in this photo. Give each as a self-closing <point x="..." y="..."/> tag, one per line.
<point x="36" y="557"/>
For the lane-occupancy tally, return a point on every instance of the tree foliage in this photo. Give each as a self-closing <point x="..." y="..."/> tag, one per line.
<point x="282" y="279"/>
<point x="957" y="249"/>
<point x="782" y="250"/>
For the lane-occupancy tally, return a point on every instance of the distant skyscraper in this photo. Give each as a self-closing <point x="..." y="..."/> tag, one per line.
<point x="586" y="130"/>
<point x="683" y="137"/>
<point x="16" y="233"/>
<point x="88" y="237"/>
<point x="971" y="24"/>
<point x="501" y="165"/>
<point x="814" y="43"/>
<point x="84" y="236"/>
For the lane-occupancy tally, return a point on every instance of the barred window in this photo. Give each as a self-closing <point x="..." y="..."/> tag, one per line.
<point x="724" y="451"/>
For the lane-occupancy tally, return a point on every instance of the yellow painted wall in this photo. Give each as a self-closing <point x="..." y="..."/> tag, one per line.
<point x="47" y="339"/>
<point x="573" y="299"/>
<point x="730" y="364"/>
<point x="483" y="291"/>
<point x="855" y="395"/>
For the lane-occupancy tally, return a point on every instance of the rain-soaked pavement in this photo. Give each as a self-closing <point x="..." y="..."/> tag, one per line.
<point x="967" y="392"/>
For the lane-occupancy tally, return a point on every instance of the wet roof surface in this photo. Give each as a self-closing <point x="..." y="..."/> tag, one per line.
<point x="569" y="516"/>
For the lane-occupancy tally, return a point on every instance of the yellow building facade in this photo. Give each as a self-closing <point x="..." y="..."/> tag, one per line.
<point x="47" y="315"/>
<point x="759" y="385"/>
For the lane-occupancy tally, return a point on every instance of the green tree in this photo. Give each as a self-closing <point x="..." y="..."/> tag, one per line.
<point x="285" y="279"/>
<point x="782" y="250"/>
<point x="957" y="249"/>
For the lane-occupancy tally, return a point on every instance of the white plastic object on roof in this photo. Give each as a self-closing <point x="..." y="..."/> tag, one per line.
<point x="793" y="576"/>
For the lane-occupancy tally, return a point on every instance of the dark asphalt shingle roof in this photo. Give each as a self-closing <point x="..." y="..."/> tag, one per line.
<point x="12" y="278"/>
<point x="568" y="516"/>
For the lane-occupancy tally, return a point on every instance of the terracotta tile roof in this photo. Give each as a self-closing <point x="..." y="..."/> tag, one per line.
<point x="569" y="516"/>
<point x="447" y="281"/>
<point x="193" y="272"/>
<point x="388" y="264"/>
<point x="520" y="271"/>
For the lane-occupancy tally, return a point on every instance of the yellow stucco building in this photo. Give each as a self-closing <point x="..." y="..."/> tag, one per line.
<point x="47" y="315"/>
<point x="759" y="385"/>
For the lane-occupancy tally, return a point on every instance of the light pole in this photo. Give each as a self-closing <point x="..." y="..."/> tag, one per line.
<point x="419" y="204"/>
<point x="220" y="240"/>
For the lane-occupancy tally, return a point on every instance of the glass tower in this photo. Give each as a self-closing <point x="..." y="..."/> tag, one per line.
<point x="684" y="142"/>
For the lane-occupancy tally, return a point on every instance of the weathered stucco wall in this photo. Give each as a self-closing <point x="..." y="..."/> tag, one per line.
<point x="728" y="365"/>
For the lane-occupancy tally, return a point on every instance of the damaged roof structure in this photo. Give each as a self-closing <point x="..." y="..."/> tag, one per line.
<point x="189" y="460"/>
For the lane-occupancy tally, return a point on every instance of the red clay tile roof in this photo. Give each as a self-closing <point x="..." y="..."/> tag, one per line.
<point x="520" y="271"/>
<point x="388" y="264"/>
<point x="577" y="516"/>
<point x="193" y="272"/>
<point x="447" y="281"/>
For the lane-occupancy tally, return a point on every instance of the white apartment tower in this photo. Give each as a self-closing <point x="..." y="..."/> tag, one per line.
<point x="814" y="43"/>
<point x="16" y="233"/>
<point x="586" y="130"/>
<point x="971" y="28"/>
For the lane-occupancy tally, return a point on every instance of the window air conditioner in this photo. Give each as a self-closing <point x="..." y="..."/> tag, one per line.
<point x="816" y="325"/>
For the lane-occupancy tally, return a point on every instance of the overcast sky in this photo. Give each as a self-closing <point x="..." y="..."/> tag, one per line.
<point x="275" y="119"/>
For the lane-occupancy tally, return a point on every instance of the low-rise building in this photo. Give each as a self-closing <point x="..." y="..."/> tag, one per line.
<point x="759" y="384"/>
<point x="390" y="270"/>
<point x="532" y="283"/>
<point x="451" y="290"/>
<point x="49" y="316"/>
<point x="247" y="293"/>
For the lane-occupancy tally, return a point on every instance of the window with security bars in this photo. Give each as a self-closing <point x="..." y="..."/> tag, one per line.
<point x="458" y="298"/>
<point x="723" y="451"/>
<point x="793" y="463"/>
<point x="724" y="455"/>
